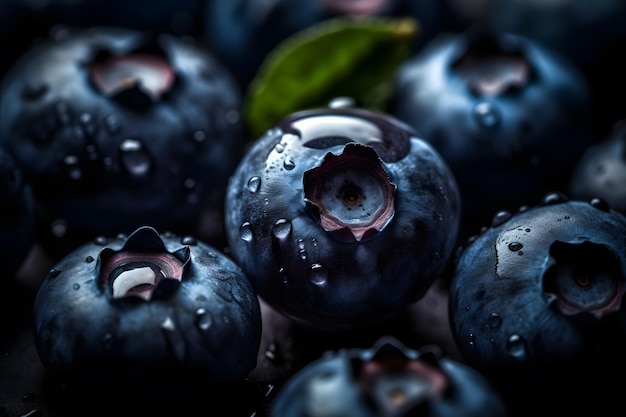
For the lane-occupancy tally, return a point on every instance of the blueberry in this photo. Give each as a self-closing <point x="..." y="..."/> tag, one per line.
<point x="601" y="171"/>
<point x="536" y="301"/>
<point x="341" y="217"/>
<point x="509" y="116"/>
<point x="387" y="379"/>
<point x="144" y="312"/>
<point x="117" y="129"/>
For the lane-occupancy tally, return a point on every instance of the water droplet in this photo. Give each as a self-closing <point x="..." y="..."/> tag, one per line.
<point x="71" y="165"/>
<point x="134" y="159"/>
<point x="101" y="240"/>
<point x="282" y="275"/>
<point x="76" y="286"/>
<point x="89" y="259"/>
<point x="189" y="240"/>
<point x="319" y="274"/>
<point x="203" y="320"/>
<point x="600" y="204"/>
<point x="486" y="115"/>
<point x="289" y="164"/>
<point x="168" y="324"/>
<point x="111" y="124"/>
<point x="495" y="320"/>
<point x="273" y="353"/>
<point x="245" y="231"/>
<point x="467" y="308"/>
<point x="516" y="347"/>
<point x="515" y="246"/>
<point x="471" y="338"/>
<point x="254" y="184"/>
<point x="500" y="217"/>
<point x="58" y="228"/>
<point x="53" y="273"/>
<point x="279" y="147"/>
<point x="342" y="102"/>
<point x="281" y="229"/>
<point x="314" y="242"/>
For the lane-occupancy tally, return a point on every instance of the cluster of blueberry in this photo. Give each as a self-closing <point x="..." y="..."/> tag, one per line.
<point x="458" y="251"/>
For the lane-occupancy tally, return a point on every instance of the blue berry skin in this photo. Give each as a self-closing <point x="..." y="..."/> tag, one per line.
<point x="387" y="379"/>
<point x="601" y="171"/>
<point x="341" y="217"/>
<point x="509" y="116"/>
<point x="98" y="317"/>
<point x="520" y="287"/>
<point x="17" y="215"/>
<point x="536" y="301"/>
<point x="116" y="129"/>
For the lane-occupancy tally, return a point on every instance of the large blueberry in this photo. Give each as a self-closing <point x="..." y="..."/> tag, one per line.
<point x="387" y="379"/>
<point x="341" y="217"/>
<point x="145" y="312"/>
<point x="510" y="116"/>
<point x="116" y="129"/>
<point x="536" y="302"/>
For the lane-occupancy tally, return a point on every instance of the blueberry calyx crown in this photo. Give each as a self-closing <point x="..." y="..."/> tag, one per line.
<point x="143" y="268"/>
<point x="352" y="193"/>
<point x="491" y="65"/>
<point x="137" y="79"/>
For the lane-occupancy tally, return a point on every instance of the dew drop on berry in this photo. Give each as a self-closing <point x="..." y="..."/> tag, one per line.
<point x="203" y="319"/>
<point x="279" y="147"/>
<point x="500" y="217"/>
<point x="289" y="163"/>
<point x="516" y="347"/>
<point x="486" y="115"/>
<point x="515" y="246"/>
<point x="134" y="159"/>
<point x="72" y="168"/>
<point x="112" y="124"/>
<point x="254" y="184"/>
<point x="283" y="275"/>
<point x="495" y="320"/>
<point x="76" y="286"/>
<point x="319" y="274"/>
<point x="245" y="231"/>
<point x="189" y="240"/>
<point x="168" y="324"/>
<point x="281" y="229"/>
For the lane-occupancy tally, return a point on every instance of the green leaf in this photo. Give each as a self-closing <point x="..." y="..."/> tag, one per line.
<point x="353" y="57"/>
